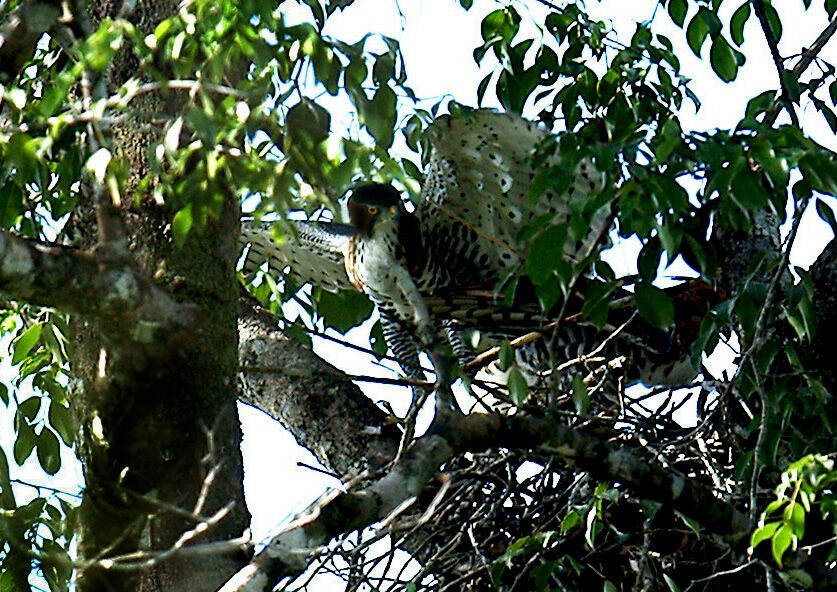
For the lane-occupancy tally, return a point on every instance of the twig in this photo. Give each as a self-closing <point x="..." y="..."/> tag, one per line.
<point x="719" y="574"/>
<point x="808" y="57"/>
<point x="758" y="6"/>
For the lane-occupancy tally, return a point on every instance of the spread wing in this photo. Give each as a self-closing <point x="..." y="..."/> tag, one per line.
<point x="313" y="252"/>
<point x="482" y="168"/>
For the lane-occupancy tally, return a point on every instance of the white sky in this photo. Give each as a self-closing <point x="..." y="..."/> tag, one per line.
<point x="437" y="39"/>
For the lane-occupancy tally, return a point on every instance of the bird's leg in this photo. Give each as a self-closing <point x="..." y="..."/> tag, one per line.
<point x="426" y="333"/>
<point x="404" y="349"/>
<point x="445" y="401"/>
<point x="461" y="352"/>
<point x="421" y="315"/>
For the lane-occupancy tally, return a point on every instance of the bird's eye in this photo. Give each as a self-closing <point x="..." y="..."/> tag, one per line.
<point x="372" y="210"/>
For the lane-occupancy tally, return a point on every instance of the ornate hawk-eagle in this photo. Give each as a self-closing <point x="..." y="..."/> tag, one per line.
<point x="464" y="233"/>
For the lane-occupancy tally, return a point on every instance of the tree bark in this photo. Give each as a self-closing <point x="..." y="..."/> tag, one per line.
<point x="159" y="431"/>
<point x="315" y="401"/>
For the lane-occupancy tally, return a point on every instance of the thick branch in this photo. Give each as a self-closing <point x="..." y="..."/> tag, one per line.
<point x="819" y="355"/>
<point x="451" y="434"/>
<point x="128" y="307"/>
<point x="319" y="404"/>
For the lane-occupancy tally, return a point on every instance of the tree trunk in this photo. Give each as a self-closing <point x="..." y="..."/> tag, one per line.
<point x="160" y="430"/>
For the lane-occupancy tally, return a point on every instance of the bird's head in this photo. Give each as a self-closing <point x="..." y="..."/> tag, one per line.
<point x="373" y="203"/>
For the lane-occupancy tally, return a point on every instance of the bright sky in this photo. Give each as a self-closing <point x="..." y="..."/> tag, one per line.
<point x="437" y="39"/>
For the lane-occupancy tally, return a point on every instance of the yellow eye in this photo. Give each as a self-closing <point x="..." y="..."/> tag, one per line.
<point x="372" y="210"/>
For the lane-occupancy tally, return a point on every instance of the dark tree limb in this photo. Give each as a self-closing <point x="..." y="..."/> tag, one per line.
<point x="127" y="307"/>
<point x="452" y="434"/>
<point x="772" y="43"/>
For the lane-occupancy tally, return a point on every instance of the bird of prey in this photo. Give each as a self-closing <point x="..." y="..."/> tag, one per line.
<point x="476" y="198"/>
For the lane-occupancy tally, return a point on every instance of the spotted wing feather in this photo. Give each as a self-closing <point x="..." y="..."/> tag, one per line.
<point x="479" y="178"/>
<point x="313" y="252"/>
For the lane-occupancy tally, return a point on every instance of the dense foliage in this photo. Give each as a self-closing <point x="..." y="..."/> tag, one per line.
<point x="764" y="440"/>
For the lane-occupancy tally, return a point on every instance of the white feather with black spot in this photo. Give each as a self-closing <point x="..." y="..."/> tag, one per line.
<point x="310" y="251"/>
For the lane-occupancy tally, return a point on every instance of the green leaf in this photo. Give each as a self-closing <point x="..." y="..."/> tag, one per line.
<point x="24" y="443"/>
<point x="597" y="303"/>
<point x="343" y="310"/>
<point x="4" y="394"/>
<point x="581" y="396"/>
<point x="518" y="387"/>
<point x="672" y="585"/>
<point x="690" y="522"/>
<point x="25" y="342"/>
<point x="737" y="22"/>
<point x="826" y="212"/>
<point x="760" y="103"/>
<point x="11" y="204"/>
<point x="795" y="321"/>
<point x="570" y="521"/>
<point x="49" y="454"/>
<point x="181" y="224"/>
<point x="809" y="316"/>
<point x="794" y="516"/>
<point x="548" y="293"/>
<point x="308" y="123"/>
<point x="379" y="117"/>
<point x="780" y="543"/>
<point x="773" y="20"/>
<point x="7" y="498"/>
<point x="773" y="506"/>
<point x="723" y="59"/>
<point x="820" y="173"/>
<point x="609" y="587"/>
<point x="654" y="306"/>
<point x="650" y="507"/>
<point x="542" y="573"/>
<point x="61" y="421"/>
<point x="763" y="533"/>
<point x="827" y="112"/>
<point x="376" y="339"/>
<point x="503" y="23"/>
<point x="545" y="252"/>
<point x="30" y="407"/>
<point x="316" y="11"/>
<point x="696" y="32"/>
<point x="669" y="136"/>
<point x="677" y="10"/>
<point x="505" y="357"/>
